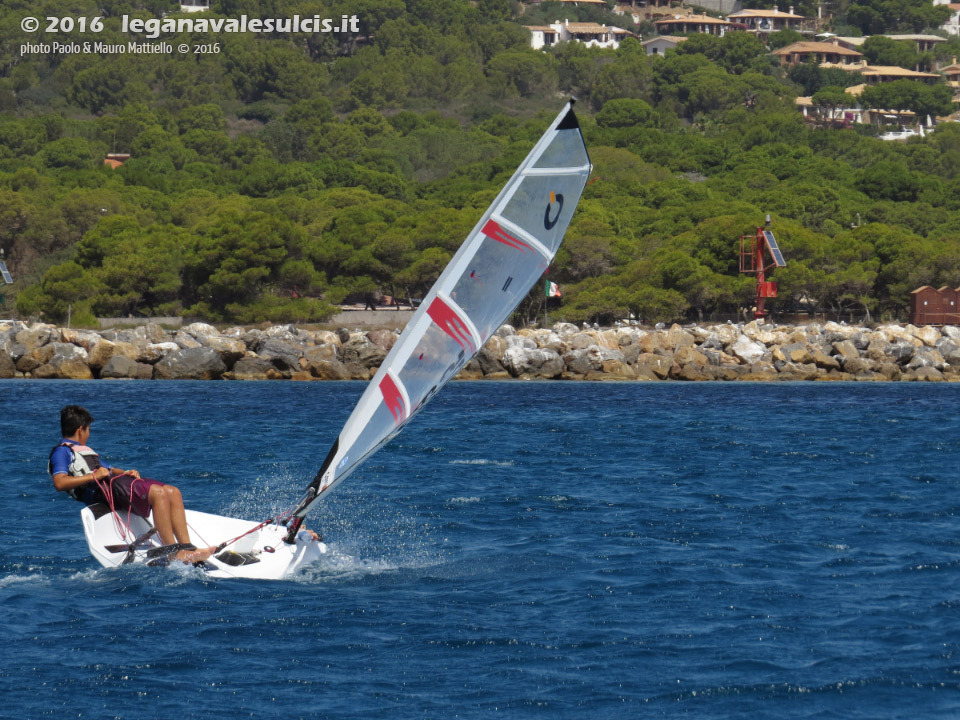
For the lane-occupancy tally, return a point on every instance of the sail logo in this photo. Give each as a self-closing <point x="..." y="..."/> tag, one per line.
<point x="393" y="399"/>
<point x="447" y="320"/>
<point x="555" y="199"/>
<point x="493" y="231"/>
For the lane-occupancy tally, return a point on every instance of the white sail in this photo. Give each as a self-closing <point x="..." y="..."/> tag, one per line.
<point x="503" y="256"/>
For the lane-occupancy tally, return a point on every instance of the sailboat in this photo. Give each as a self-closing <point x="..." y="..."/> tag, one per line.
<point x="504" y="255"/>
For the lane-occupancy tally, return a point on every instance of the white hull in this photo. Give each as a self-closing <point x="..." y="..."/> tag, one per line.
<point x="264" y="554"/>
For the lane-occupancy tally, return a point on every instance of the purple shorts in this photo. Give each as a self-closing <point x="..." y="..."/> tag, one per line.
<point x="131" y="492"/>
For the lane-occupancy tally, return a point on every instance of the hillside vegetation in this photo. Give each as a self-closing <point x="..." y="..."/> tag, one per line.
<point x="281" y="174"/>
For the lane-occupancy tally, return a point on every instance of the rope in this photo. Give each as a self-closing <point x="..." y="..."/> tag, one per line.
<point x="106" y="488"/>
<point x="277" y="518"/>
<point x="123" y="526"/>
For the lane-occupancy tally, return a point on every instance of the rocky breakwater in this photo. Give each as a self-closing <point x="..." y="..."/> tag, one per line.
<point x="195" y="352"/>
<point x="754" y="351"/>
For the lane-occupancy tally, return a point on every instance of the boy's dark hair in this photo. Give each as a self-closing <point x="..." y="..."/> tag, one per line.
<point x="72" y="418"/>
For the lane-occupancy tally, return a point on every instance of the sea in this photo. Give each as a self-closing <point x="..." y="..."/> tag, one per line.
<point x="521" y="549"/>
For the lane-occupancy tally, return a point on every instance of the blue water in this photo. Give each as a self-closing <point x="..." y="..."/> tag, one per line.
<point x="522" y="549"/>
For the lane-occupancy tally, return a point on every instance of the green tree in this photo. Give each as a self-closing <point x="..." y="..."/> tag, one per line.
<point x="831" y="99"/>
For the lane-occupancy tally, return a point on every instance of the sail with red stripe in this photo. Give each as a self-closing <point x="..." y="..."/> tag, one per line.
<point x="504" y="255"/>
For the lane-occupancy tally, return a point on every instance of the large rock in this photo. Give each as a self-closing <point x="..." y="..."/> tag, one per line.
<point x="689" y="355"/>
<point x="186" y="340"/>
<point x="860" y="365"/>
<point x="749" y="351"/>
<point x="798" y="371"/>
<point x="727" y="334"/>
<point x="200" y="363"/>
<point x="7" y="368"/>
<point x="152" y="333"/>
<point x="927" y="335"/>
<point x="229" y="349"/>
<point x="950" y="350"/>
<point x="895" y="333"/>
<point x="80" y="338"/>
<point x="325" y="337"/>
<point x="329" y="370"/>
<point x="926" y="357"/>
<point x="654" y="343"/>
<point x="284" y="355"/>
<point x="200" y="330"/>
<point x="692" y="373"/>
<point x="320" y="353"/>
<point x="794" y="352"/>
<point x="488" y="359"/>
<point x="761" y="372"/>
<point x="827" y="362"/>
<point x="36" y="336"/>
<point x="524" y="362"/>
<point x="901" y="352"/>
<point x="891" y="371"/>
<point x="924" y="374"/>
<point x="677" y="337"/>
<point x="284" y="333"/>
<point x="154" y="352"/>
<point x="105" y="349"/>
<point x="845" y="351"/>
<point x="383" y="339"/>
<point x="951" y="331"/>
<point x="362" y="351"/>
<point x="653" y="366"/>
<point x="254" y="368"/>
<point x="323" y="363"/>
<point x="591" y="359"/>
<point x="581" y="340"/>
<point x="120" y="367"/>
<point x="34" y="358"/>
<point x="45" y="372"/>
<point x="879" y="348"/>
<point x="565" y="329"/>
<point x="71" y="366"/>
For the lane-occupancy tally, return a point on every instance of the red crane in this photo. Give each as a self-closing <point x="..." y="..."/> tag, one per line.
<point x="753" y="251"/>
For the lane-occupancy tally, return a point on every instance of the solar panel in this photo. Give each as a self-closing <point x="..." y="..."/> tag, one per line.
<point x="774" y="249"/>
<point x="7" y="277"/>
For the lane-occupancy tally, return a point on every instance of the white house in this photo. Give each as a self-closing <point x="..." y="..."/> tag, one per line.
<point x="590" y="34"/>
<point x="952" y="25"/>
<point x="542" y="36"/>
<point x="659" y="45"/>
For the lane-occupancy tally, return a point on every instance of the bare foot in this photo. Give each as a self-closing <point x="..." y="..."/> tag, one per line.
<point x="195" y="556"/>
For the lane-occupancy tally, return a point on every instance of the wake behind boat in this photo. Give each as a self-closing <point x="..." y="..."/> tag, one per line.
<point x="504" y="255"/>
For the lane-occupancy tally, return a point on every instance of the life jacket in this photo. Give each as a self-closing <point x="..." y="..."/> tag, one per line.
<point x="85" y="461"/>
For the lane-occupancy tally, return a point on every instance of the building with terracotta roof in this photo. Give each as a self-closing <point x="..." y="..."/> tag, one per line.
<point x="816" y="52"/>
<point x="115" y="160"/>
<point x="767" y="20"/>
<point x="951" y="73"/>
<point x="924" y="42"/>
<point x="590" y="34"/>
<point x="874" y="74"/>
<point x="686" y="24"/>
